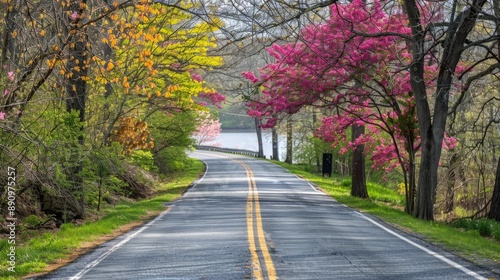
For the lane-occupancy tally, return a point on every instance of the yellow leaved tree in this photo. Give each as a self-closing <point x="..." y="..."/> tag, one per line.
<point x="154" y="59"/>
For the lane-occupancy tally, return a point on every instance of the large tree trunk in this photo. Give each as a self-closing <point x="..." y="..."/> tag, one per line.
<point x="432" y="129"/>
<point x="289" y="141"/>
<point x="358" y="187"/>
<point x="10" y="51"/>
<point x="495" y="201"/>
<point x="76" y="90"/>
<point x="258" y="130"/>
<point x="77" y="68"/>
<point x="317" y="153"/>
<point x="276" y="154"/>
<point x="8" y="45"/>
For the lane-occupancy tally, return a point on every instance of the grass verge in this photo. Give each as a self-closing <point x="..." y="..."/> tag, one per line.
<point x="388" y="206"/>
<point x="47" y="251"/>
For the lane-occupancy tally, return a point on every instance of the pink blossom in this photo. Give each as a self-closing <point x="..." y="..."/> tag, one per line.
<point x="5" y="92"/>
<point x="254" y="113"/>
<point x="11" y="75"/>
<point x="321" y="67"/>
<point x="2" y="115"/>
<point x="250" y="76"/>
<point x="74" y="15"/>
<point x="449" y="142"/>
<point x="215" y="98"/>
<point x="208" y="129"/>
<point x="196" y="77"/>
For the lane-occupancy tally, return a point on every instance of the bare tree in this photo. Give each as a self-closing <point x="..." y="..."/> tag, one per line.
<point x="432" y="122"/>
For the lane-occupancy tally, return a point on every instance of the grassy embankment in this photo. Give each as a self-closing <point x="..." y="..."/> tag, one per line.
<point x="476" y="240"/>
<point x="38" y="251"/>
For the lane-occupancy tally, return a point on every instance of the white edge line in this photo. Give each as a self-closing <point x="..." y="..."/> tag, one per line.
<point x="310" y="185"/>
<point x="199" y="180"/>
<point x="430" y="252"/>
<point x="91" y="265"/>
<point x="302" y="179"/>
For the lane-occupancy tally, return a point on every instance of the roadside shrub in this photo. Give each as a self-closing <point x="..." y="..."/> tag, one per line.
<point x="496" y="232"/>
<point x="143" y="159"/>
<point x="485" y="227"/>
<point x="346" y="183"/>
<point x="172" y="159"/>
<point x="463" y="223"/>
<point x="32" y="221"/>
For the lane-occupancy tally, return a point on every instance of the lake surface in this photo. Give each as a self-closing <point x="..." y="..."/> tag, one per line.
<point x="248" y="141"/>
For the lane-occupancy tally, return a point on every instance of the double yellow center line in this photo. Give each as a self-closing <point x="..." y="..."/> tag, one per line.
<point x="256" y="238"/>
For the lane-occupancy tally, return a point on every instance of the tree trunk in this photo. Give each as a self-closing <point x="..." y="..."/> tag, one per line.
<point x="108" y="91"/>
<point x="76" y="89"/>
<point x="495" y="201"/>
<point x="289" y="141"/>
<point x="99" y="194"/>
<point x="276" y="154"/>
<point x="11" y="52"/>
<point x="412" y="184"/>
<point x="432" y="129"/>
<point x="452" y="178"/>
<point x="258" y="130"/>
<point x="7" y="42"/>
<point x="358" y="187"/>
<point x="77" y="68"/>
<point x="317" y="153"/>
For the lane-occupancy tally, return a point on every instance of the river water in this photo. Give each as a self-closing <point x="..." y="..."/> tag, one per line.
<point x="248" y="141"/>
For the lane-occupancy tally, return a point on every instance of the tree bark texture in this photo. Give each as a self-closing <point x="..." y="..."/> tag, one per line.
<point x="258" y="130"/>
<point x="495" y="201"/>
<point x="358" y="187"/>
<point x="289" y="141"/>
<point x="276" y="154"/>
<point x="76" y="88"/>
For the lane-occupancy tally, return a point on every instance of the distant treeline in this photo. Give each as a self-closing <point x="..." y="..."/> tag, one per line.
<point x="236" y="122"/>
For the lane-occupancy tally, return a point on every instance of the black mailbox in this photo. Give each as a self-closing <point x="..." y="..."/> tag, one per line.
<point x="327" y="164"/>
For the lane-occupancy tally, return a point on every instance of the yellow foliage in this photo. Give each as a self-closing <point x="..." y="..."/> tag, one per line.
<point x="149" y="64"/>
<point x="51" y="63"/>
<point x="154" y="56"/>
<point x="126" y="83"/>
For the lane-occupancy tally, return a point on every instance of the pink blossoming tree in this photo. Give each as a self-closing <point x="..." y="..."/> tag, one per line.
<point x="207" y="130"/>
<point x="363" y="78"/>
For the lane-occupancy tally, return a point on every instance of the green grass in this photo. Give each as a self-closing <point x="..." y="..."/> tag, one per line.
<point x="388" y="205"/>
<point x="35" y="253"/>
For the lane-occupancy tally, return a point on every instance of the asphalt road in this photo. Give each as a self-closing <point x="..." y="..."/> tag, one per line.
<point x="250" y="219"/>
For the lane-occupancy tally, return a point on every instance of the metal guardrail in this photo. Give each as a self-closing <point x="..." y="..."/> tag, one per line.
<point x="229" y="151"/>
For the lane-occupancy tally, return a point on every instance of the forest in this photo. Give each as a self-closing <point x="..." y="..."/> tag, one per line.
<point x="409" y="88"/>
<point x="99" y="98"/>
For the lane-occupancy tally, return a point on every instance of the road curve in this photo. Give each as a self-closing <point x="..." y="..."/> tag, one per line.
<point x="250" y="219"/>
